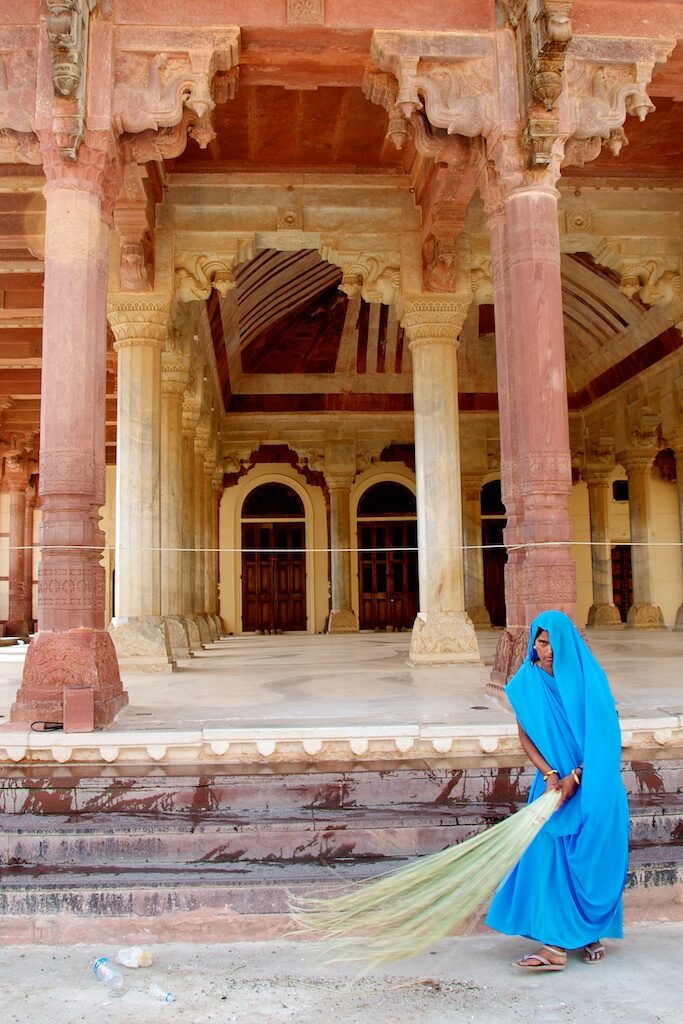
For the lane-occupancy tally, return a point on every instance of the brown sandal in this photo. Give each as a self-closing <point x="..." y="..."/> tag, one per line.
<point x="593" y="953"/>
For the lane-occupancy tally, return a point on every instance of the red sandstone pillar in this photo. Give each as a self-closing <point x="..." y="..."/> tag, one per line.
<point x="28" y="556"/>
<point x="534" y="421"/>
<point x="17" y="479"/>
<point x="72" y="648"/>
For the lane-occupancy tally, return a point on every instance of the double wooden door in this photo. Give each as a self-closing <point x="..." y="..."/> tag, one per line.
<point x="494" y="558"/>
<point x="387" y="563"/>
<point x="273" y="577"/>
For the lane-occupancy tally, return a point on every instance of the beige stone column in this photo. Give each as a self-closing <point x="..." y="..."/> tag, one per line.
<point x="216" y="491"/>
<point x="175" y="368"/>
<point x="17" y="482"/>
<point x="140" y="327"/>
<point x="603" y="611"/>
<point x="201" y="443"/>
<point x="677" y="446"/>
<point x="28" y="556"/>
<point x="474" y="555"/>
<point x="208" y="543"/>
<point x="443" y="631"/>
<point x="643" y="613"/>
<point x="191" y="409"/>
<point x="339" y="478"/>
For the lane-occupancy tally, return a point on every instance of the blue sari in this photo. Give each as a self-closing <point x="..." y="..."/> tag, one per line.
<point x="566" y="889"/>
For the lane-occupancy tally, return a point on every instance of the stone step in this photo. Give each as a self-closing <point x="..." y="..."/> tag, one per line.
<point x="230" y="902"/>
<point x="229" y="836"/>
<point x="164" y="790"/>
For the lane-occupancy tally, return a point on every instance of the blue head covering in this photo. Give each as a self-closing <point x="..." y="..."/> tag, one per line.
<point x="571" y="718"/>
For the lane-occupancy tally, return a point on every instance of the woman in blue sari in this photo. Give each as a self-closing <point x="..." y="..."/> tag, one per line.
<point x="565" y="892"/>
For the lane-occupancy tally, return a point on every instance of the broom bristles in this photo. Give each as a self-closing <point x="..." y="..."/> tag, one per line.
<point x="407" y="910"/>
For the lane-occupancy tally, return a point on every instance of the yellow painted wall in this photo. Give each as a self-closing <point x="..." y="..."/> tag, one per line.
<point x="581" y="552"/>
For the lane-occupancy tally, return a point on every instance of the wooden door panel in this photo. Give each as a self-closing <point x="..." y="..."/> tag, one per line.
<point x="387" y="575"/>
<point x="273" y="577"/>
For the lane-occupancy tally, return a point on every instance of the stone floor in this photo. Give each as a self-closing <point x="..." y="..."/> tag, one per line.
<point x="358" y="686"/>
<point x="465" y="979"/>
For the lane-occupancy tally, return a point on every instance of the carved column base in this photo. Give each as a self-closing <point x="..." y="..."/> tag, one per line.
<point x="510" y="653"/>
<point x="480" y="616"/>
<point x="213" y="632"/>
<point x="220" y="628"/>
<point x="604" y="615"/>
<point x="443" y="638"/>
<point x="203" y="627"/>
<point x="342" y="622"/>
<point x="644" y="616"/>
<point x="678" y="625"/>
<point x="178" y="639"/>
<point x="142" y="644"/>
<point x="17" y="627"/>
<point x="77" y="658"/>
<point x="193" y="634"/>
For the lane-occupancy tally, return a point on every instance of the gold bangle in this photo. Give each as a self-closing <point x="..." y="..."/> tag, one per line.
<point x="553" y="771"/>
<point x="577" y="780"/>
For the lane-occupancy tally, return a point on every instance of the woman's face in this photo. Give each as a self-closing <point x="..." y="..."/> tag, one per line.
<point x="544" y="651"/>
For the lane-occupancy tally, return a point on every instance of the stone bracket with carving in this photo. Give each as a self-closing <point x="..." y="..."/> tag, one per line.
<point x="18" y="58"/>
<point x="153" y="89"/>
<point x="67" y="23"/>
<point x="376" y="276"/>
<point x="197" y="273"/>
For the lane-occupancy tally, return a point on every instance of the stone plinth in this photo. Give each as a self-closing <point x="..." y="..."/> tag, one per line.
<point x="72" y="659"/>
<point x="605" y="616"/>
<point x="443" y="637"/>
<point x="142" y="643"/>
<point x="342" y="622"/>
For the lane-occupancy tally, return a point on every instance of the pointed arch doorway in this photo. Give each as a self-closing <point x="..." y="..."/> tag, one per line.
<point x="273" y="560"/>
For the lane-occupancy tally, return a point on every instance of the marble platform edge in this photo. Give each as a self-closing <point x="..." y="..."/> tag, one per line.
<point x="287" y="744"/>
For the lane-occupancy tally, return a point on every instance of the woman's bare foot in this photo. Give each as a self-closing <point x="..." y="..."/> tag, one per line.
<point x="593" y="953"/>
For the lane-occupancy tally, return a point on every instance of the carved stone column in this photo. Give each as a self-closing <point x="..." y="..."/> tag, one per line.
<point x="677" y="446"/>
<point x="643" y="613"/>
<point x="17" y="481"/>
<point x="340" y="470"/>
<point x="603" y="611"/>
<point x="201" y="443"/>
<point x="28" y="556"/>
<point x="140" y="327"/>
<point x="72" y="648"/>
<point x="474" y="555"/>
<point x="175" y="368"/>
<point x="534" y="422"/>
<point x="443" y="631"/>
<point x="210" y="553"/>
<point x="216" y="491"/>
<point x="191" y="408"/>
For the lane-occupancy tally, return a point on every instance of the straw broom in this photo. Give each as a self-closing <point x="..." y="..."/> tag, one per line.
<point x="406" y="911"/>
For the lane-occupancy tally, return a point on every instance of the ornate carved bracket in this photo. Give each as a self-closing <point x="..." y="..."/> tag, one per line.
<point x="198" y="273"/>
<point x="375" y="276"/>
<point x="153" y="90"/>
<point x="66" y="24"/>
<point x="543" y="32"/>
<point x="133" y="220"/>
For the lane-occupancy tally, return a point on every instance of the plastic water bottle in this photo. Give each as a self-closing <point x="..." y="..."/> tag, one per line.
<point x="104" y="971"/>
<point x="159" y="993"/>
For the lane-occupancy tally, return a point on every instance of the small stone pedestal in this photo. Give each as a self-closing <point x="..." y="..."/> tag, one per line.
<point x="443" y="638"/>
<point x="74" y="659"/>
<point x="342" y="622"/>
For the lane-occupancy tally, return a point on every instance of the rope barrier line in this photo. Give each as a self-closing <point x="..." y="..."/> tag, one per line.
<point x="358" y="550"/>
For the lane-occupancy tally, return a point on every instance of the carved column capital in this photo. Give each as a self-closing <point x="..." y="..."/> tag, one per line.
<point x="597" y="475"/>
<point x="637" y="460"/>
<point x="16" y="473"/>
<point x="138" y="322"/>
<point x="431" y="319"/>
<point x="175" y="373"/>
<point x="471" y="484"/>
<point x="95" y="169"/>
<point x="197" y="273"/>
<point x="192" y="405"/>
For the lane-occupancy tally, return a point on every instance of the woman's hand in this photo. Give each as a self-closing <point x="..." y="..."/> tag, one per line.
<point x="566" y="786"/>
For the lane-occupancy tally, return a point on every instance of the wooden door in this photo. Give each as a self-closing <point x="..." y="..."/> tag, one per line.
<point x="387" y="574"/>
<point x="273" y="577"/>
<point x="495" y="558"/>
<point x="622" y="579"/>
